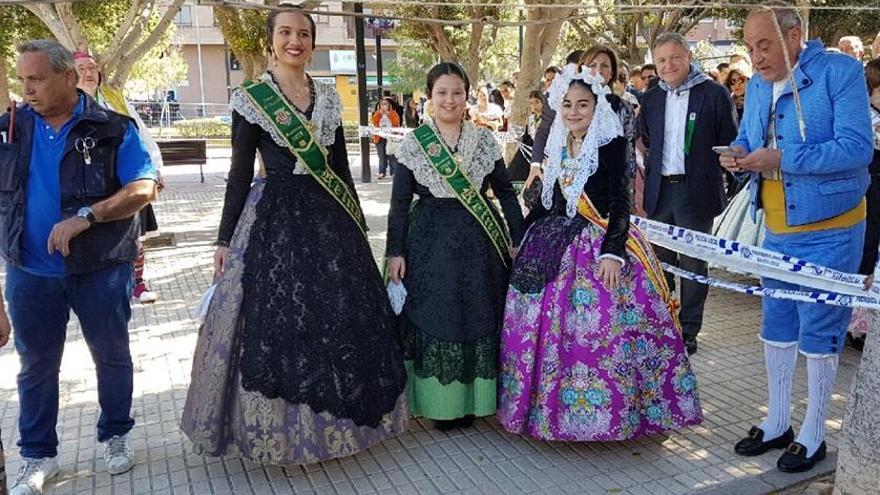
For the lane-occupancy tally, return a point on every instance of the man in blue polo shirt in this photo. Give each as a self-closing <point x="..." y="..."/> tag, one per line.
<point x="72" y="177"/>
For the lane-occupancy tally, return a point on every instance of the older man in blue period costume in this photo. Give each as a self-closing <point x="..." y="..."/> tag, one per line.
<point x="807" y="150"/>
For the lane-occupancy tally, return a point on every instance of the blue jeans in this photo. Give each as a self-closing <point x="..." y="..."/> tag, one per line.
<point x="387" y="163"/>
<point x="39" y="308"/>
<point x="817" y="328"/>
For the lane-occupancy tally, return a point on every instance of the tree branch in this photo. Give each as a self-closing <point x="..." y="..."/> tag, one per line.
<point x="65" y="15"/>
<point x="128" y="61"/>
<point x="134" y="35"/>
<point x="49" y="16"/>
<point x="114" y="48"/>
<point x="472" y="60"/>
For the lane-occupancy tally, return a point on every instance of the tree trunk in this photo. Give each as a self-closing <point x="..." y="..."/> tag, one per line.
<point x="77" y="38"/>
<point x="48" y="14"/>
<point x="442" y="45"/>
<point x="858" y="460"/>
<point x="4" y="87"/>
<point x="540" y="43"/>
<point x="128" y="44"/>
<point x="259" y="64"/>
<point x="247" y="66"/>
<point x="472" y="61"/>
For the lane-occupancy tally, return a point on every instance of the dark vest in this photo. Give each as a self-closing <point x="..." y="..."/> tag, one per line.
<point x="103" y="244"/>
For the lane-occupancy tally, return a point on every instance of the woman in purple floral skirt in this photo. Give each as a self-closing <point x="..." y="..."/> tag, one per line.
<point x="591" y="346"/>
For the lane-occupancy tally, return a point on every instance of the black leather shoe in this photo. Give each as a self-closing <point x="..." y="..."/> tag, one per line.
<point x="795" y="460"/>
<point x="754" y="444"/>
<point x="446" y="424"/>
<point x="690" y="344"/>
<point x="452" y="424"/>
<point x="857" y="343"/>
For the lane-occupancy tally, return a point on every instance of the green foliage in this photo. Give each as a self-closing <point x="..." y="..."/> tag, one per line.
<point x="449" y="43"/>
<point x="350" y="130"/>
<point x="501" y="58"/>
<point x="413" y="62"/>
<point x="158" y="71"/>
<point x="243" y="29"/>
<point x="707" y="55"/>
<point x="245" y="32"/>
<point x="99" y="21"/>
<point x="829" y="25"/>
<point x="17" y="24"/>
<point x="203" y="128"/>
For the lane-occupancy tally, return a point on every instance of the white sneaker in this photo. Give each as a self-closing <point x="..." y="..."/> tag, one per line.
<point x="118" y="456"/>
<point x="148" y="296"/>
<point x="32" y="474"/>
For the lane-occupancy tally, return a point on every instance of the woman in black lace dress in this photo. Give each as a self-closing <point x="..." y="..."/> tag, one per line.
<point x="454" y="272"/>
<point x="298" y="359"/>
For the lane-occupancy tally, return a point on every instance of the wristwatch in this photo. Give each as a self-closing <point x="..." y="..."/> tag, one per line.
<point x="87" y="213"/>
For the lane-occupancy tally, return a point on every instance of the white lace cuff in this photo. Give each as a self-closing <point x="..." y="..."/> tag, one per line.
<point x="613" y="257"/>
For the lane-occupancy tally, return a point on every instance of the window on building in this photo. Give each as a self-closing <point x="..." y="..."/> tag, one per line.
<point x="732" y="24"/>
<point x="322" y="19"/>
<point x="234" y="64"/>
<point x="184" y="17"/>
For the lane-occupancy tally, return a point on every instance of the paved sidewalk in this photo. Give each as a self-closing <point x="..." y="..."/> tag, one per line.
<point x="482" y="459"/>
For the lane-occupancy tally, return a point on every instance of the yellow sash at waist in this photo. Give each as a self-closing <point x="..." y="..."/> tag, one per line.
<point x="773" y="201"/>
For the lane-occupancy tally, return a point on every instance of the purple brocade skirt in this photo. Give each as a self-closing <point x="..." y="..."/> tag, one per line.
<point x="221" y="417"/>
<point x="580" y="362"/>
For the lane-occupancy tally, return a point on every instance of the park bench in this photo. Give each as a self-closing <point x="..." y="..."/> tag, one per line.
<point x="185" y="152"/>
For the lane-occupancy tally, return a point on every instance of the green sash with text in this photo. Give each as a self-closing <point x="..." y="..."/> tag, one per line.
<point x="469" y="196"/>
<point x="295" y="129"/>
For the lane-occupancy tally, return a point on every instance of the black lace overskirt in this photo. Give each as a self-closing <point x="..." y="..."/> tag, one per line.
<point x="542" y="249"/>
<point x="449" y="361"/>
<point x="317" y="325"/>
<point x="455" y="280"/>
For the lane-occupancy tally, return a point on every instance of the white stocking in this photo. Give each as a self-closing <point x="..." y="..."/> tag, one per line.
<point x="821" y="373"/>
<point x="781" y="360"/>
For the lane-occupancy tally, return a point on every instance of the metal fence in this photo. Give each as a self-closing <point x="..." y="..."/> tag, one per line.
<point x="168" y="120"/>
<point x="164" y="114"/>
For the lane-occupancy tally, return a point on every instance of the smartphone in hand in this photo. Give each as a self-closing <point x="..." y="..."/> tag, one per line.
<point x="729" y="151"/>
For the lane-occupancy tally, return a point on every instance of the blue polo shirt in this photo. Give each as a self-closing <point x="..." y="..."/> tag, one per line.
<point x="43" y="193"/>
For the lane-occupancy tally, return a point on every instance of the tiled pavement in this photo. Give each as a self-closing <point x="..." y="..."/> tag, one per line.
<point x="483" y="459"/>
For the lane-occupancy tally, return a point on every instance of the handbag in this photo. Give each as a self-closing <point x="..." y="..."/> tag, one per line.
<point x="392" y="147"/>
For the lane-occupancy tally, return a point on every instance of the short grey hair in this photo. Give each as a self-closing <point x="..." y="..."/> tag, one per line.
<point x="60" y="57"/>
<point x="786" y="16"/>
<point x="672" y="37"/>
<point x="855" y="41"/>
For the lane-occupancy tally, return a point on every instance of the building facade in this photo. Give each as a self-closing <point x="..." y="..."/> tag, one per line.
<point x="213" y="70"/>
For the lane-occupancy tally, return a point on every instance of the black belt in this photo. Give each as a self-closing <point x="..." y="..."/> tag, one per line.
<point x="674" y="179"/>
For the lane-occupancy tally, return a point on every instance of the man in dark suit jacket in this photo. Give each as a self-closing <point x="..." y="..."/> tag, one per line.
<point x="681" y="119"/>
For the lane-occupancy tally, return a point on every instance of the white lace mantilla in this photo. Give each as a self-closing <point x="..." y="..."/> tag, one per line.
<point x="572" y="173"/>
<point x="478" y="150"/>
<point x="326" y="115"/>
